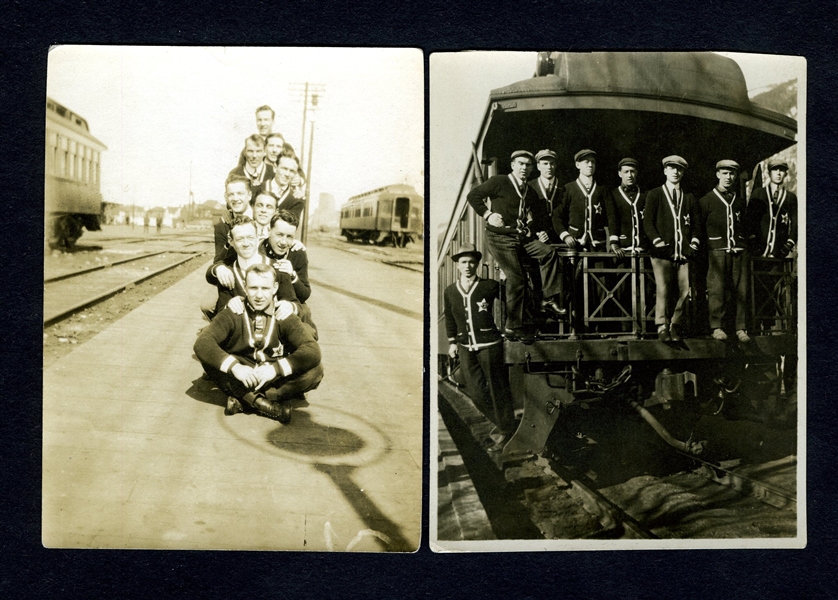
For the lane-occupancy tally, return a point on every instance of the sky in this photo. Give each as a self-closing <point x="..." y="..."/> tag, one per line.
<point x="158" y="109"/>
<point x="460" y="83"/>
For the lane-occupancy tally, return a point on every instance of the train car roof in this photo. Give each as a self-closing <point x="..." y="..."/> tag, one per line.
<point x="692" y="80"/>
<point x="399" y="188"/>
<point x="65" y="116"/>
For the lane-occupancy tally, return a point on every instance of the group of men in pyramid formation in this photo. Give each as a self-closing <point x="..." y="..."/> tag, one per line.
<point x="260" y="347"/>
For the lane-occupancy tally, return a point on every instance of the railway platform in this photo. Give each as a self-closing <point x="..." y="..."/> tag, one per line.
<point x="137" y="452"/>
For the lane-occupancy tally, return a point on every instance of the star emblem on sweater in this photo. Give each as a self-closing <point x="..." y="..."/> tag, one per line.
<point x="278" y="351"/>
<point x="598" y="208"/>
<point x="785" y="218"/>
<point x="686" y="219"/>
<point x="483" y="305"/>
<point x="736" y="214"/>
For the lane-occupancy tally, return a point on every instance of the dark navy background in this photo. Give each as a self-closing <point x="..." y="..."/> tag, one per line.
<point x="805" y="28"/>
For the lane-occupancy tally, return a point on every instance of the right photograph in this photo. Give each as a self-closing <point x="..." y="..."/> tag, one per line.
<point x="618" y="349"/>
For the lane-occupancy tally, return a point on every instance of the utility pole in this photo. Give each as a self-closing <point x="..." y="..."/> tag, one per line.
<point x="310" y="94"/>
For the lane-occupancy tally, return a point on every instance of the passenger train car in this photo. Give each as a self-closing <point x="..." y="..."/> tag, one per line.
<point x="391" y="214"/>
<point x="71" y="177"/>
<point x="646" y="106"/>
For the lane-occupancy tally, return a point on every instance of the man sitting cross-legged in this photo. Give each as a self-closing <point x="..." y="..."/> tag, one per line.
<point x="247" y="354"/>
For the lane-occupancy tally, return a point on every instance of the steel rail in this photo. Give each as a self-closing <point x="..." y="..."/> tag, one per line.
<point x="64" y="313"/>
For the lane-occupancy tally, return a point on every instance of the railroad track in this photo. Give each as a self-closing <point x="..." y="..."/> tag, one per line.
<point x="724" y="497"/>
<point x="68" y="293"/>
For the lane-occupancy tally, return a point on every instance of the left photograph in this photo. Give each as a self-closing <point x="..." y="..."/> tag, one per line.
<point x="233" y="298"/>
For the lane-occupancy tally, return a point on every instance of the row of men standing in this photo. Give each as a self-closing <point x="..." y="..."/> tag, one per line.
<point x="531" y="218"/>
<point x="261" y="335"/>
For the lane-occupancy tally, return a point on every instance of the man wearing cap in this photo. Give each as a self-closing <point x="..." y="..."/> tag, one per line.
<point x="626" y="204"/>
<point x="473" y="336"/>
<point x="723" y="222"/>
<point x="541" y="226"/>
<point x="581" y="217"/>
<point x="772" y="215"/>
<point x="505" y="214"/>
<point x="671" y="223"/>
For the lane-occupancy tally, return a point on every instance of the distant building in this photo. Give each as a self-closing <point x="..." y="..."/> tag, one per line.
<point x="326" y="215"/>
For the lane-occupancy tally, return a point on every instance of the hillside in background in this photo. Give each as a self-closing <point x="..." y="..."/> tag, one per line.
<point x="781" y="98"/>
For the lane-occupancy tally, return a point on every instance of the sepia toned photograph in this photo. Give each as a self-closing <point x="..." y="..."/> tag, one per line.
<point x="233" y="298"/>
<point x="617" y="317"/>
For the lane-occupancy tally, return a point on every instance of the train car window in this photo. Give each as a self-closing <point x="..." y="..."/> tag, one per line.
<point x="61" y="110"/>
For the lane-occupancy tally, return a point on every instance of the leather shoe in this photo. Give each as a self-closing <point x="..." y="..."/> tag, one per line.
<point x="552" y="308"/>
<point x="719" y="334"/>
<point x="279" y="411"/>
<point x="663" y="334"/>
<point x="233" y="406"/>
<point x="743" y="336"/>
<point x="674" y="332"/>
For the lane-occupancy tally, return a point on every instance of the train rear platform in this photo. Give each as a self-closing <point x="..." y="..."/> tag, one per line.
<point x="137" y="452"/>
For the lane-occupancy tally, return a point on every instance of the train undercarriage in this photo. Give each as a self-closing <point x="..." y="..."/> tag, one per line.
<point x="398" y="239"/>
<point x="63" y="230"/>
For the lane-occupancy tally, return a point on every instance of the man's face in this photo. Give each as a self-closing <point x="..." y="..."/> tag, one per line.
<point x="777" y="175"/>
<point x="467" y="265"/>
<point x="726" y="177"/>
<point x="264" y="122"/>
<point x="282" y="236"/>
<point x="521" y="167"/>
<point x="586" y="166"/>
<point x="260" y="289"/>
<point x="285" y="171"/>
<point x="237" y="197"/>
<point x="273" y="148"/>
<point x="673" y="173"/>
<point x="547" y="168"/>
<point x="628" y="175"/>
<point x="243" y="240"/>
<point x="254" y="153"/>
<point x="263" y="209"/>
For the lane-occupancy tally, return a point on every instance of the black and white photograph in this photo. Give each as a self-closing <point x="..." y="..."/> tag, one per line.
<point x="233" y="298"/>
<point x="617" y="316"/>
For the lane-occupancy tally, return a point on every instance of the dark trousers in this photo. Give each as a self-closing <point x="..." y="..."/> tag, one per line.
<point x="506" y="251"/>
<point x="727" y="275"/>
<point x="487" y="381"/>
<point x="286" y="387"/>
<point x="550" y="267"/>
<point x="669" y="277"/>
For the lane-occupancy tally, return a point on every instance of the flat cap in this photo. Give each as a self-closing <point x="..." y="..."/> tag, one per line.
<point x="466" y="249"/>
<point x="525" y="153"/>
<point x="727" y="164"/>
<point x="778" y="163"/>
<point x="582" y="154"/>
<point x="546" y="154"/>
<point x="627" y="162"/>
<point x="675" y="160"/>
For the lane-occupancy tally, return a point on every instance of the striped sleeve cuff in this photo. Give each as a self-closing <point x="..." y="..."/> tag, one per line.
<point x="695" y="241"/>
<point x="614" y="239"/>
<point x="656" y="240"/>
<point x="283" y="367"/>
<point x="563" y="235"/>
<point x="228" y="364"/>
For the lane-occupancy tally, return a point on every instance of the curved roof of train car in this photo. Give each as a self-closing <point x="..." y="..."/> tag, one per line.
<point x="688" y="83"/>
<point x="72" y="120"/>
<point x="395" y="189"/>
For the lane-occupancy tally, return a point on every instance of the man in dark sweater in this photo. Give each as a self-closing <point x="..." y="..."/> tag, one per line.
<point x="542" y="235"/>
<point x="288" y="256"/>
<point x="247" y="354"/>
<point x="671" y="222"/>
<point x="509" y="200"/>
<point x="626" y="204"/>
<point x="282" y="185"/>
<point x="257" y="171"/>
<point x="771" y="218"/>
<point x="474" y="337"/>
<point x="723" y="223"/>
